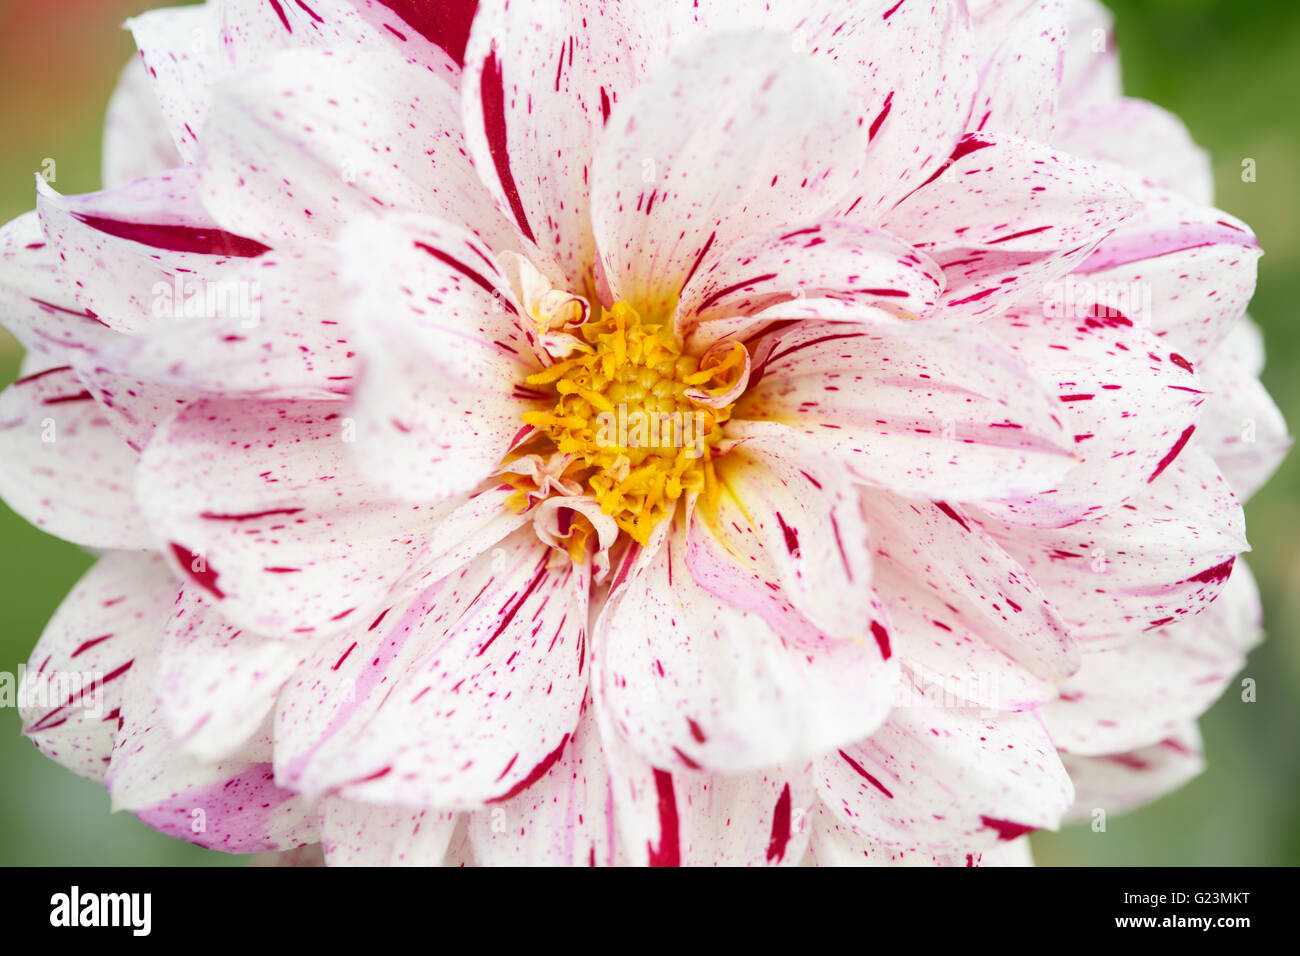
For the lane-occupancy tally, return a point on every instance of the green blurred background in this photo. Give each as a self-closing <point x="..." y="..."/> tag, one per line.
<point x="1231" y="70"/>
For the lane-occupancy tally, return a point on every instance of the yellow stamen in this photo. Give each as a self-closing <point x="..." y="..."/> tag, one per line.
<point x="623" y="411"/>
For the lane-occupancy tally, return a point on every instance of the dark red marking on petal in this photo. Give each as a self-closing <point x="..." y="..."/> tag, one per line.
<point x="968" y="144"/>
<point x="444" y="23"/>
<point x="1173" y="452"/>
<point x="510" y="614"/>
<point x="79" y="313"/>
<point x="309" y="11"/>
<point x="1018" y="235"/>
<point x="1006" y="829"/>
<point x="375" y="776"/>
<point x="339" y="662"/>
<point x="693" y="764"/>
<point x="473" y="275"/>
<point x="699" y="258"/>
<point x="884" y="112"/>
<point x="780" y="828"/>
<point x="502" y="775"/>
<point x="890" y="12"/>
<point x="213" y="516"/>
<point x="279" y="12"/>
<point x="1132" y="761"/>
<point x="82" y="396"/>
<point x="200" y="239"/>
<point x="791" y="535"/>
<point x="734" y="287"/>
<point x="669" y="852"/>
<point x="537" y="773"/>
<point x="206" y="579"/>
<point x="87" y="645"/>
<point x="493" y="96"/>
<point x="974" y="297"/>
<point x="1220" y="572"/>
<point x="862" y="772"/>
<point x="1180" y="361"/>
<point x="882" y="638"/>
<point x="35" y="375"/>
<point x="696" y="732"/>
<point x="947" y="509"/>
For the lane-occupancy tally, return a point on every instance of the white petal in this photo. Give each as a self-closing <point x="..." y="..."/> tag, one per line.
<point x="63" y="467"/>
<point x="258" y="503"/>
<point x="489" y="710"/>
<point x="360" y="834"/>
<point x="956" y="417"/>
<point x="312" y="140"/>
<point x="947" y="778"/>
<point x="75" y="676"/>
<point x="681" y="170"/>
<point x="443" y="396"/>
<point x="691" y="681"/>
<point x="1136" y="694"/>
<point x="216" y="682"/>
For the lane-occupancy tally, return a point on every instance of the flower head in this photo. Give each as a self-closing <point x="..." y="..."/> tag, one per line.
<point x="652" y="433"/>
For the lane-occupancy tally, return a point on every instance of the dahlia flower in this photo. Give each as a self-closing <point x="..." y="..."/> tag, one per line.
<point x="652" y="433"/>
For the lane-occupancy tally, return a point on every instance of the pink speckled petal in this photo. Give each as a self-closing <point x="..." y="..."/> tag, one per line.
<point x="1195" y="264"/>
<point x="1116" y="782"/>
<point x="1129" y="399"/>
<point x="1007" y="215"/>
<point x="75" y="676"/>
<point x="969" y="621"/>
<point x="1138" y="693"/>
<point x="564" y="819"/>
<point x="1022" y="48"/>
<point x="923" y="415"/>
<point x="681" y="818"/>
<point x="443" y="395"/>
<point x="312" y="140"/>
<point x="259" y="504"/>
<point x="488" y="711"/>
<point x="910" y="64"/>
<point x="287" y="337"/>
<point x="947" y="778"/>
<point x="430" y="34"/>
<point x="63" y="466"/>
<point x="693" y="682"/>
<point x="136" y="141"/>
<point x="216" y="681"/>
<point x="182" y="61"/>
<point x="360" y="834"/>
<point x="39" y="307"/>
<point x="682" y="170"/>
<point x="828" y="270"/>
<point x="1241" y="426"/>
<point x="1142" y="137"/>
<point x="1161" y="556"/>
<point x="1091" y="73"/>
<point x="187" y="51"/>
<point x="232" y="805"/>
<point x="833" y="843"/>
<point x="785" y="539"/>
<point x="122" y="251"/>
<point x="539" y="86"/>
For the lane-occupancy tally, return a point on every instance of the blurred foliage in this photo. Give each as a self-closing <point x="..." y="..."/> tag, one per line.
<point x="1231" y="70"/>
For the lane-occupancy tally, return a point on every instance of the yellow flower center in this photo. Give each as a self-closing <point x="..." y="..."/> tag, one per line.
<point x="639" y="418"/>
